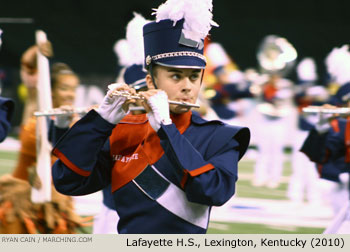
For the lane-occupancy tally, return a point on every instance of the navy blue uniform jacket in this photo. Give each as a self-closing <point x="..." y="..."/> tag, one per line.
<point x="330" y="150"/>
<point x="162" y="182"/>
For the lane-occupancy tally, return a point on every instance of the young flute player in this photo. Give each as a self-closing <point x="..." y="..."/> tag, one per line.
<point x="167" y="167"/>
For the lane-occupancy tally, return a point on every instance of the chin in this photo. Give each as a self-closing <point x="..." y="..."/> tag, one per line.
<point x="180" y="109"/>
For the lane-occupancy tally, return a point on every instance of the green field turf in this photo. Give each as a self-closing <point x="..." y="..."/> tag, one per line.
<point x="8" y="161"/>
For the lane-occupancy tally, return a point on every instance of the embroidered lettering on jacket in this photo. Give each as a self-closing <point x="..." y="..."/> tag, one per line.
<point x="125" y="159"/>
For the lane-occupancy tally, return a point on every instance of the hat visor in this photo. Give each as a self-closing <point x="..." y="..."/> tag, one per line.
<point x="182" y="62"/>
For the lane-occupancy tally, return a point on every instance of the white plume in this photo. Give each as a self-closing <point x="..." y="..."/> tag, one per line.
<point x="130" y="50"/>
<point x="306" y="70"/>
<point x="217" y="54"/>
<point x="123" y="52"/>
<point x="197" y="14"/>
<point x="338" y="64"/>
<point x="0" y="38"/>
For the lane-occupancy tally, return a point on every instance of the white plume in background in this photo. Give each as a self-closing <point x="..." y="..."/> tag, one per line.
<point x="306" y="70"/>
<point x="197" y="14"/>
<point x="123" y="52"/>
<point x="130" y="50"/>
<point x="134" y="36"/>
<point x="338" y="64"/>
<point x="0" y="38"/>
<point x="217" y="54"/>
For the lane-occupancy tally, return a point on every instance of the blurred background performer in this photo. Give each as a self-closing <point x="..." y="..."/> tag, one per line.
<point x="224" y="84"/>
<point x="167" y="171"/>
<point x="130" y="54"/>
<point x="6" y="111"/>
<point x="328" y="143"/>
<point x="304" y="183"/>
<point x="277" y="113"/>
<point x="27" y="90"/>
<point x="56" y="216"/>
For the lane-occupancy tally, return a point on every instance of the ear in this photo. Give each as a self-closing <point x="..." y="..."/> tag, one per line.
<point x="149" y="82"/>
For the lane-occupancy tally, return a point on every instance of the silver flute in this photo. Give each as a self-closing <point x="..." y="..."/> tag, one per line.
<point x="139" y="97"/>
<point x="58" y="111"/>
<point x="322" y="110"/>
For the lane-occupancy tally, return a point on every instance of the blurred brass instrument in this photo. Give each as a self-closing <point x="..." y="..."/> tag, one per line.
<point x="139" y="97"/>
<point x="276" y="55"/>
<point x="323" y="110"/>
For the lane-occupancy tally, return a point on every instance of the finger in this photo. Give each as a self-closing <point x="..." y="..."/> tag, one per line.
<point x="146" y="106"/>
<point x="126" y="104"/>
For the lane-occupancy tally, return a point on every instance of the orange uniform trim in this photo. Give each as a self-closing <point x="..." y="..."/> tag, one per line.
<point x="195" y="173"/>
<point x="70" y="165"/>
<point x="201" y="170"/>
<point x="140" y="140"/>
<point x="335" y="125"/>
<point x="184" y="180"/>
<point x="347" y="141"/>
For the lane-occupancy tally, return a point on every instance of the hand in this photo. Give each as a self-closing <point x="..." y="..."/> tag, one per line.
<point x="63" y="121"/>
<point x="323" y="125"/>
<point x="46" y="49"/>
<point x="157" y="107"/>
<point x="114" y="108"/>
<point x="344" y="178"/>
<point x="33" y="178"/>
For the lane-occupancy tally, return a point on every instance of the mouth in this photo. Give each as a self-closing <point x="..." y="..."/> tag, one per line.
<point x="188" y="100"/>
<point x="68" y="102"/>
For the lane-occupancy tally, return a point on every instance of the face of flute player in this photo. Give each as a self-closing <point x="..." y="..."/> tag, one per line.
<point x="180" y="84"/>
<point x="63" y="91"/>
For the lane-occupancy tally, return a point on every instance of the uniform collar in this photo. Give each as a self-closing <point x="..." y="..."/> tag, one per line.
<point x="197" y="119"/>
<point x="181" y="121"/>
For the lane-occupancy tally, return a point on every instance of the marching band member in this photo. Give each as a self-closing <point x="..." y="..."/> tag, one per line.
<point x="276" y="115"/>
<point x="57" y="216"/>
<point x="328" y="142"/>
<point x="304" y="181"/>
<point x="224" y="84"/>
<point x="167" y="168"/>
<point x="6" y="111"/>
<point x="29" y="76"/>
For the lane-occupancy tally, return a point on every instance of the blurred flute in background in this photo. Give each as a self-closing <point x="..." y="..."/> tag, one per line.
<point x="325" y="110"/>
<point x="79" y="111"/>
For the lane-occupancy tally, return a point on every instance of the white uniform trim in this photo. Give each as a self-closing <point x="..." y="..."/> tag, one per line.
<point x="175" y="201"/>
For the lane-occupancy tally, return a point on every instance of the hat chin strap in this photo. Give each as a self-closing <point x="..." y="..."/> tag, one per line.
<point x="151" y="71"/>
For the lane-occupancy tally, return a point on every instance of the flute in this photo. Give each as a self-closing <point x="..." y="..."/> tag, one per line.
<point x="319" y="109"/>
<point x="58" y="111"/>
<point x="139" y="97"/>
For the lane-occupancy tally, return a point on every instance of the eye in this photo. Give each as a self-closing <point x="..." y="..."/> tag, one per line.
<point x="194" y="76"/>
<point x="63" y="89"/>
<point x="176" y="76"/>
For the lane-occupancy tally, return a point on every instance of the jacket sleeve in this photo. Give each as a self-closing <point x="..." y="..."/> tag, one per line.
<point x="208" y="180"/>
<point x="84" y="163"/>
<point x="321" y="148"/>
<point x="6" y="112"/>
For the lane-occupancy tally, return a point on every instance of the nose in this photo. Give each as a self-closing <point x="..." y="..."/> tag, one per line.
<point x="186" y="85"/>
